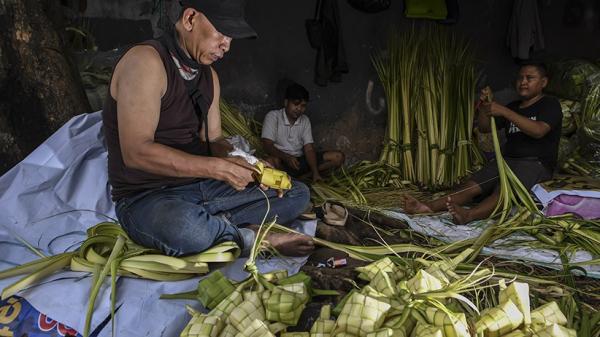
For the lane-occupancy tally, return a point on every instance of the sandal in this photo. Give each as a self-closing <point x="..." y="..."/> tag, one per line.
<point x="334" y="214"/>
<point x="309" y="213"/>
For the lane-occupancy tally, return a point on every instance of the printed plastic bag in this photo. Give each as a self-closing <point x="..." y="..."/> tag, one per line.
<point x="19" y="318"/>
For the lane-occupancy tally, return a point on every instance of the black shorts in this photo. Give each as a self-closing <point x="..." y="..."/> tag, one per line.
<point x="530" y="171"/>
<point x="304" y="168"/>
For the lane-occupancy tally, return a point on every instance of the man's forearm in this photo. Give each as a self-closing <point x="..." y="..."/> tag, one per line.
<point x="167" y="161"/>
<point x="484" y="122"/>
<point x="271" y="150"/>
<point x="532" y="128"/>
<point x="311" y="158"/>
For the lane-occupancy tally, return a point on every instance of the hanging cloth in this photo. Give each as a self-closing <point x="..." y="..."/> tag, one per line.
<point x="525" y="29"/>
<point x="325" y="35"/>
<point x="453" y="12"/>
<point x="370" y="6"/>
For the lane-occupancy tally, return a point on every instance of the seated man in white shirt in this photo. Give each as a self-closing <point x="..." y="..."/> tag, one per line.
<point x="287" y="139"/>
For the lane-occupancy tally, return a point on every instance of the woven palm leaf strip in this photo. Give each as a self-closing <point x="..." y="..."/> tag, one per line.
<point x="109" y="251"/>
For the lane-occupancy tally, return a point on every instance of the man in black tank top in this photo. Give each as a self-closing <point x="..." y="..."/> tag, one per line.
<point x="172" y="191"/>
<point x="532" y="126"/>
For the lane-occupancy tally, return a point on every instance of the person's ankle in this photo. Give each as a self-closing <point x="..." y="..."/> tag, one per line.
<point x="428" y="207"/>
<point x="248" y="243"/>
<point x="469" y="215"/>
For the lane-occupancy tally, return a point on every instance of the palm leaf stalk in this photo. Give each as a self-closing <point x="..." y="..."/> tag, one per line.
<point x="556" y="232"/>
<point x="352" y="185"/>
<point x="354" y="188"/>
<point x="109" y="251"/>
<point x="411" y="251"/>
<point x="578" y="166"/>
<point x="407" y="69"/>
<point x="395" y="69"/>
<point x="512" y="192"/>
<point x="234" y="122"/>
<point x="434" y="73"/>
<point x="467" y="156"/>
<point x="446" y="115"/>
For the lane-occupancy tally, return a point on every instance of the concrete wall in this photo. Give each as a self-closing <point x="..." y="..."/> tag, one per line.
<point x="252" y="72"/>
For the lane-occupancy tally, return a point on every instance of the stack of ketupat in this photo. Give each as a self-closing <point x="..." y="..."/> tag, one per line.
<point x="249" y="306"/>
<point x="430" y="303"/>
<point x="513" y="318"/>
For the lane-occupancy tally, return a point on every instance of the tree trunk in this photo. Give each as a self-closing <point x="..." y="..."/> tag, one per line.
<point x="40" y="88"/>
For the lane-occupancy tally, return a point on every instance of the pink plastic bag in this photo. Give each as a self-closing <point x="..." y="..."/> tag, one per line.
<point x="585" y="207"/>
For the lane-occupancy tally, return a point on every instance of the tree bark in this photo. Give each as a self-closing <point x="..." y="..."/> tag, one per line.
<point x="40" y="89"/>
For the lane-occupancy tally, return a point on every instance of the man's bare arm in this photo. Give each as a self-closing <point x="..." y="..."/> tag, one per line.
<point x="483" y="122"/>
<point x="218" y="145"/>
<point x="311" y="158"/>
<point x="271" y="150"/>
<point x="483" y="119"/>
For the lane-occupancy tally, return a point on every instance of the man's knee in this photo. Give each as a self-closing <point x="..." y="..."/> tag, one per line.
<point x="337" y="158"/>
<point x="299" y="192"/>
<point x="181" y="230"/>
<point x="340" y="158"/>
<point x="473" y="188"/>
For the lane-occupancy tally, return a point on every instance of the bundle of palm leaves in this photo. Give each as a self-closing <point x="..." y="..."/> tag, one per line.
<point x="429" y="79"/>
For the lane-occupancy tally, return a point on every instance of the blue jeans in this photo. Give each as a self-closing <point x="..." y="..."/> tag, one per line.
<point x="192" y="218"/>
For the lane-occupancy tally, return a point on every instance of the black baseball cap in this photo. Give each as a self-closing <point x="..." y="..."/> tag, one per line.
<point x="226" y="15"/>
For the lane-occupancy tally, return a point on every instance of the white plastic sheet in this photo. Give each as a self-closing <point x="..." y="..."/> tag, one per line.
<point x="511" y="247"/>
<point x="50" y="199"/>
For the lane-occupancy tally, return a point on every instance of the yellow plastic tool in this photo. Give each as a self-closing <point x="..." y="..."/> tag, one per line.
<point x="273" y="178"/>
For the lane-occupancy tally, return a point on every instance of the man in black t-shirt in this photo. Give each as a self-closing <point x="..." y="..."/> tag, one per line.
<point x="532" y="126"/>
<point x="519" y="144"/>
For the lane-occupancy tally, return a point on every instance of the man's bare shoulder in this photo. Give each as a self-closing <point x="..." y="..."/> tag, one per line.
<point x="142" y="56"/>
<point x="141" y="66"/>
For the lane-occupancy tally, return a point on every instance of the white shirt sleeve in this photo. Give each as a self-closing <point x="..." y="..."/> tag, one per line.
<point x="307" y="137"/>
<point x="269" y="127"/>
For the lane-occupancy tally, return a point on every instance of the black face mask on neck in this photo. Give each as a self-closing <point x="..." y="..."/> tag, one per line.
<point x="170" y="41"/>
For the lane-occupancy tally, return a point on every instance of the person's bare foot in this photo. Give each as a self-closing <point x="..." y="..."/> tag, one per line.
<point x="460" y="215"/>
<point x="410" y="205"/>
<point x="291" y="244"/>
<point x="288" y="244"/>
